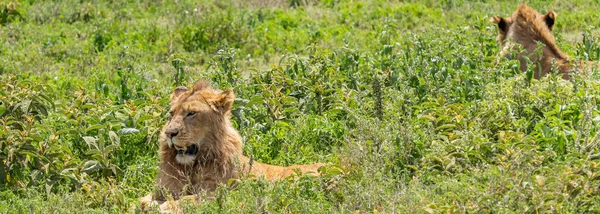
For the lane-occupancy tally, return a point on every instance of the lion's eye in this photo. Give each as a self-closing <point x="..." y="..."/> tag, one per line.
<point x="191" y="113"/>
<point x="171" y="113"/>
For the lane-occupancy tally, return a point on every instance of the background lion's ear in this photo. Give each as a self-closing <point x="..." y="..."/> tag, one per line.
<point x="225" y="100"/>
<point x="501" y="22"/>
<point x="549" y="19"/>
<point x="177" y="92"/>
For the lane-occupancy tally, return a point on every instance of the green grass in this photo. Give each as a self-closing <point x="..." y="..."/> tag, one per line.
<point x="403" y="96"/>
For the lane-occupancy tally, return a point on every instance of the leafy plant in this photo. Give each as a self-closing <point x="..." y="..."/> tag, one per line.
<point x="408" y="103"/>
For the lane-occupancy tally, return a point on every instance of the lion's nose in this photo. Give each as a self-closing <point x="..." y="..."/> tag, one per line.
<point x="171" y="133"/>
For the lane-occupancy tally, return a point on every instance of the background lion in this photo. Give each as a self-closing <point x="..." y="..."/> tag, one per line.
<point x="527" y="28"/>
<point x="200" y="149"/>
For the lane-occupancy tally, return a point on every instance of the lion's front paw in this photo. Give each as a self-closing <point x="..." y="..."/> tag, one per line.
<point x="147" y="203"/>
<point x="171" y="207"/>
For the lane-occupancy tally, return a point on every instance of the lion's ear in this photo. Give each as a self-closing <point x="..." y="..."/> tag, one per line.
<point x="177" y="92"/>
<point x="224" y="101"/>
<point x="549" y="19"/>
<point x="501" y="22"/>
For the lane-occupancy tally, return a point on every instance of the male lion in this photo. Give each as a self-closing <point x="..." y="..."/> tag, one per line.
<point x="529" y="28"/>
<point x="199" y="149"/>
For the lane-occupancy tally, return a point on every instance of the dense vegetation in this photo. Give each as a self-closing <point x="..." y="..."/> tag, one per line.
<point x="402" y="99"/>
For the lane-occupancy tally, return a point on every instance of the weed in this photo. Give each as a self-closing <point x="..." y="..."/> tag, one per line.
<point x="405" y="101"/>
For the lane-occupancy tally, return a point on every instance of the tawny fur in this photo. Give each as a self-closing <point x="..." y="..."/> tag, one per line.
<point x="527" y="28"/>
<point x="219" y="157"/>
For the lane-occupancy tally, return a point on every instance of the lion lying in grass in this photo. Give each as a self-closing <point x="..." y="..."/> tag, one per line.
<point x="529" y="28"/>
<point x="199" y="149"/>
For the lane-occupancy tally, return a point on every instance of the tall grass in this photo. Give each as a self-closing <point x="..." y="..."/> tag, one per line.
<point x="401" y="99"/>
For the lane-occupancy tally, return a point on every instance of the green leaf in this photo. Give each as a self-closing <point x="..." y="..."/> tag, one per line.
<point x="91" y="165"/>
<point x="94" y="127"/>
<point x="25" y="105"/>
<point x="29" y="153"/>
<point x="62" y="131"/>
<point x="2" y="174"/>
<point x="256" y="100"/>
<point x="86" y="106"/>
<point x="73" y="122"/>
<point x="90" y="140"/>
<point x="111" y="148"/>
<point x="446" y="126"/>
<point x="2" y="109"/>
<point x="125" y="131"/>
<point x="114" y="138"/>
<point x="94" y="153"/>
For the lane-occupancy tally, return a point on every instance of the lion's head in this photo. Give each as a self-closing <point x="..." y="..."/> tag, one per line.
<point x="526" y="25"/>
<point x="528" y="28"/>
<point x="198" y="119"/>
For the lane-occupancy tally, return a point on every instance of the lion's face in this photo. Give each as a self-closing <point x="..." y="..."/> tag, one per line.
<point x="195" y="116"/>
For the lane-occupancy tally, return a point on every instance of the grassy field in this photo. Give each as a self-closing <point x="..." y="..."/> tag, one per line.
<point x="403" y="96"/>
